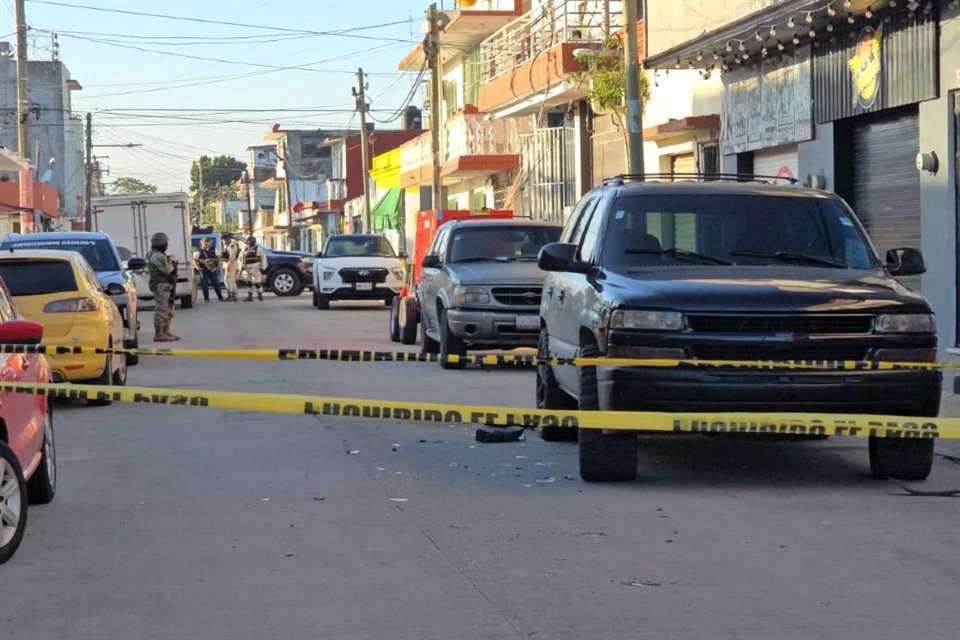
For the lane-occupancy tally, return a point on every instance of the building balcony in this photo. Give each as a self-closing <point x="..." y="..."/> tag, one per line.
<point x="527" y="64"/>
<point x="472" y="146"/>
<point x="43" y="197"/>
<point x="466" y="27"/>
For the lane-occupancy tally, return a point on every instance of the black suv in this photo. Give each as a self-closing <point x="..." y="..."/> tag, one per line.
<point x="730" y="270"/>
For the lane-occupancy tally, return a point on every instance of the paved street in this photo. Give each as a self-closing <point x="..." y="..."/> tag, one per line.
<point x="207" y="524"/>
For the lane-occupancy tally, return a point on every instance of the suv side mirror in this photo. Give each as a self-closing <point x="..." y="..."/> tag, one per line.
<point x="136" y="264"/>
<point x="431" y="261"/>
<point x="114" y="289"/>
<point x="560" y="256"/>
<point x="905" y="262"/>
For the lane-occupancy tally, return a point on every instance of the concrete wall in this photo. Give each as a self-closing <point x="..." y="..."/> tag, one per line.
<point x="672" y="22"/>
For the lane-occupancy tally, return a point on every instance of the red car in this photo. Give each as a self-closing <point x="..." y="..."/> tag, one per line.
<point x="28" y="467"/>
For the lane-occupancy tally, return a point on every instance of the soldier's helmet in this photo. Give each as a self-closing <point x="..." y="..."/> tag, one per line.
<point x="251" y="241"/>
<point x="158" y="239"/>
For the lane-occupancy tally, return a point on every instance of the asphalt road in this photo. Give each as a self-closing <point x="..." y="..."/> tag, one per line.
<point x="199" y="523"/>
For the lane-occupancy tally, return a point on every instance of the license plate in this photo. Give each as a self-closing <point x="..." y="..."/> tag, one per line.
<point x="527" y="323"/>
<point x="364" y="286"/>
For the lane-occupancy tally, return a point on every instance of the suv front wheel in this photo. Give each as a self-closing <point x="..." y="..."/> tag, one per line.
<point x="604" y="457"/>
<point x="450" y="344"/>
<point x="284" y="282"/>
<point x="901" y="458"/>
<point x="551" y="396"/>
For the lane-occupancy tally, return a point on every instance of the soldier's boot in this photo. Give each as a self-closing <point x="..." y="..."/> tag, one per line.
<point x="249" y="297"/>
<point x="159" y="334"/>
<point x="259" y="295"/>
<point x="166" y="332"/>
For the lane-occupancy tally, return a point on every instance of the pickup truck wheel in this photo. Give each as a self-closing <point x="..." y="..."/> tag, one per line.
<point x="284" y="282"/>
<point x="407" y="319"/>
<point x="394" y="319"/>
<point x="42" y="485"/>
<point x="551" y="396"/>
<point x="13" y="503"/>
<point x="323" y="302"/>
<point x="133" y="344"/>
<point x="604" y="457"/>
<point x="901" y="458"/>
<point x="450" y="345"/>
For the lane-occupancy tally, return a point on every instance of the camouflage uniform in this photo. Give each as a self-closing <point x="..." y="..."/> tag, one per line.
<point x="162" y="270"/>
<point x="255" y="262"/>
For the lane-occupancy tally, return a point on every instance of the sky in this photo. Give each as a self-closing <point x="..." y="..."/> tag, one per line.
<point x="194" y="86"/>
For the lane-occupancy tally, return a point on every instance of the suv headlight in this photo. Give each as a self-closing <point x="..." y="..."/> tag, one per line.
<point x="651" y="320"/>
<point x="328" y="274"/>
<point x="905" y="323"/>
<point x="470" y="295"/>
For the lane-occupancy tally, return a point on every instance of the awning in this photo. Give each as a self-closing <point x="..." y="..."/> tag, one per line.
<point x="386" y="214"/>
<point x="10" y="161"/>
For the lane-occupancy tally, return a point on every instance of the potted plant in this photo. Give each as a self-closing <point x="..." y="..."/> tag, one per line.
<point x="604" y="73"/>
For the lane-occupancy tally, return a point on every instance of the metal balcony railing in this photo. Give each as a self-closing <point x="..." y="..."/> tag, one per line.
<point x="553" y="22"/>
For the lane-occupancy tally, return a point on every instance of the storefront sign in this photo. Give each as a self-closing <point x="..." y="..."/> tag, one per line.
<point x="767" y="105"/>
<point x="890" y="62"/>
<point x="865" y="67"/>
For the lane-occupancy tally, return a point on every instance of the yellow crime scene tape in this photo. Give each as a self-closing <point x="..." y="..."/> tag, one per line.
<point x="494" y="359"/>
<point x="813" y="424"/>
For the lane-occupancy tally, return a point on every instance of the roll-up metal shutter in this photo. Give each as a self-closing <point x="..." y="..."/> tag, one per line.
<point x="683" y="163"/>
<point x="886" y="184"/>
<point x="780" y="161"/>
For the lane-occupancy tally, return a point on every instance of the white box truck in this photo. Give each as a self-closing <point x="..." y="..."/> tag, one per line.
<point x="131" y="220"/>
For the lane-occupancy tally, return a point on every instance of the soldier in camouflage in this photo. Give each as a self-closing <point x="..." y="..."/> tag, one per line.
<point x="231" y="253"/>
<point x="255" y="262"/>
<point x="162" y="270"/>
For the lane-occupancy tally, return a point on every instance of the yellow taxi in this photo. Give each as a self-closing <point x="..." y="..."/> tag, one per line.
<point x="60" y="290"/>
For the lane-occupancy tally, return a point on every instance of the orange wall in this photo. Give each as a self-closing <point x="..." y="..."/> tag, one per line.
<point x="45" y="199"/>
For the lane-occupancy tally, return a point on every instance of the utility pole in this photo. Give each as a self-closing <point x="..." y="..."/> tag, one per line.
<point x="432" y="51"/>
<point x="200" y="193"/>
<point x="358" y="93"/>
<point x="634" y="106"/>
<point x="23" y="87"/>
<point x="246" y="183"/>
<point x="88" y="166"/>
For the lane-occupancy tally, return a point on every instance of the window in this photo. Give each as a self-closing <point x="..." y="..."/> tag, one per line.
<point x="99" y="253"/>
<point x="35" y="277"/>
<point x="313" y="147"/>
<point x="590" y="235"/>
<point x="471" y="77"/>
<point x="344" y="246"/>
<point x="578" y="220"/>
<point x="500" y="243"/>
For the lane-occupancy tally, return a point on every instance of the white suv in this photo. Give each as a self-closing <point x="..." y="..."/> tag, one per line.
<point x="357" y="267"/>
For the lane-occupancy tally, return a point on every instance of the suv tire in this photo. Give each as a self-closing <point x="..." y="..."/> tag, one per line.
<point x="604" y="457"/>
<point x="407" y="319"/>
<point x="323" y="302"/>
<point x="105" y="380"/>
<point x="551" y="396"/>
<point x="450" y="345"/>
<point x="901" y="458"/>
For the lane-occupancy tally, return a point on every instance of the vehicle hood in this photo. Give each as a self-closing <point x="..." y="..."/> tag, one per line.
<point x="763" y="289"/>
<point x="108" y="277"/>
<point x="351" y="262"/>
<point x="497" y="273"/>
<point x="290" y="254"/>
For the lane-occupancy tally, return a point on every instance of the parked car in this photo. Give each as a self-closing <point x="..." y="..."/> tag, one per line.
<point x="60" y="290"/>
<point x="730" y="271"/>
<point x="28" y="455"/>
<point x="480" y="286"/>
<point x="102" y="254"/>
<point x="357" y="267"/>
<point x="288" y="272"/>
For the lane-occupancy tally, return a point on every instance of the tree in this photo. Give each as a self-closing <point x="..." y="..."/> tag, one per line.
<point x="131" y="186"/>
<point x="218" y="174"/>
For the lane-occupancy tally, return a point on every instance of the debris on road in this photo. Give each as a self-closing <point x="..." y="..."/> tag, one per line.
<point x="353" y="452"/>
<point x="499" y="434"/>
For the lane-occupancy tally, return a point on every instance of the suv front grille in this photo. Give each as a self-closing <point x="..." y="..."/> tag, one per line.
<point x="363" y="275"/>
<point x="793" y="352"/>
<point x="518" y="296"/>
<point x="807" y="324"/>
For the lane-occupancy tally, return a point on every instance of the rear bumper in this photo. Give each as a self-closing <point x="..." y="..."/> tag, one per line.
<point x="909" y="393"/>
<point x="492" y="328"/>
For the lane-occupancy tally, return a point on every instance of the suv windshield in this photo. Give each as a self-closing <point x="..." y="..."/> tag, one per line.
<point x="346" y="246"/>
<point x="742" y="229"/>
<point x="500" y="243"/>
<point x="99" y="253"/>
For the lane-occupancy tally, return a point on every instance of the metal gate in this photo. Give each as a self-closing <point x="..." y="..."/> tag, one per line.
<point x="886" y="184"/>
<point x="548" y="164"/>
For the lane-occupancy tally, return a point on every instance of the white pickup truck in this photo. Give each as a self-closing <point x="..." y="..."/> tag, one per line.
<point x="357" y="267"/>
